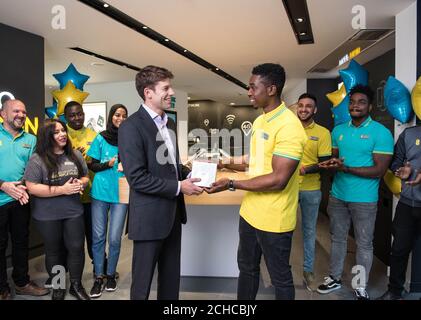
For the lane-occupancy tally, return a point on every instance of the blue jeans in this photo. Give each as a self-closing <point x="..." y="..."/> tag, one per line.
<point x="363" y="217"/>
<point x="276" y="249"/>
<point x="309" y="203"/>
<point x="118" y="212"/>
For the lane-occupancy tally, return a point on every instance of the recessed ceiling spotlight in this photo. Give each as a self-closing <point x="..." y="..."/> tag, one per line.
<point x="217" y="69"/>
<point x="97" y="64"/>
<point x="166" y="40"/>
<point x="185" y="50"/>
<point x="299" y="19"/>
<point x="145" y="27"/>
<point x="188" y="98"/>
<point x="106" y="5"/>
<point x="303" y="33"/>
<point x="232" y="104"/>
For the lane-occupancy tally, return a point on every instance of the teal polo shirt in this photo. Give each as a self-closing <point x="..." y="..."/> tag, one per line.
<point x="105" y="184"/>
<point x="356" y="146"/>
<point x="14" y="154"/>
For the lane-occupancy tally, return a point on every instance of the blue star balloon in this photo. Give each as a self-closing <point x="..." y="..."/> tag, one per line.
<point x="71" y="74"/>
<point x="341" y="112"/>
<point x="397" y="99"/>
<point x="51" y="111"/>
<point x="353" y="75"/>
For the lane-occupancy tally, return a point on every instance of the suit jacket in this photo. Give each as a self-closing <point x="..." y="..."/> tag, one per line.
<point x="153" y="186"/>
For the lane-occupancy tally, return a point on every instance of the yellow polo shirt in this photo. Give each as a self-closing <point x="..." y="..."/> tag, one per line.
<point x="319" y="144"/>
<point x="83" y="138"/>
<point x="277" y="133"/>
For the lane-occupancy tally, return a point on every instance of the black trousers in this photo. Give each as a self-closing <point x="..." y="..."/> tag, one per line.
<point x="406" y="228"/>
<point x="276" y="249"/>
<point x="14" y="219"/>
<point x="165" y="253"/>
<point x="61" y="237"/>
<point x="87" y="215"/>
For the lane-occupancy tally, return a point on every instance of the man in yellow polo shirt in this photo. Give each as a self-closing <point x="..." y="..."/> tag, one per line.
<point x="269" y="208"/>
<point x="81" y="138"/>
<point x="317" y="149"/>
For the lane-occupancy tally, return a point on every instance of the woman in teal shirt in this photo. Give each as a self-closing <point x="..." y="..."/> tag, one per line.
<point x="105" y="199"/>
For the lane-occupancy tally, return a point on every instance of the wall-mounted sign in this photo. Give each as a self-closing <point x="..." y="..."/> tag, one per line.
<point x="230" y="118"/>
<point x="206" y="122"/>
<point x="246" y="127"/>
<point x="4" y="95"/>
<point x="350" y="56"/>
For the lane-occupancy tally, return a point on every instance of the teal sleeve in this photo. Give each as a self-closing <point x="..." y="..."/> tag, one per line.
<point x="334" y="140"/>
<point x="95" y="149"/>
<point x="384" y="142"/>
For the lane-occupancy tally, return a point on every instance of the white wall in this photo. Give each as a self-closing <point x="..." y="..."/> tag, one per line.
<point x="126" y="94"/>
<point x="298" y="87"/>
<point x="406" y="54"/>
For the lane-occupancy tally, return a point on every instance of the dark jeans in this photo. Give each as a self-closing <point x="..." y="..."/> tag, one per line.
<point x="406" y="228"/>
<point x="276" y="249"/>
<point x="87" y="215"/>
<point x="14" y="218"/>
<point x="68" y="234"/>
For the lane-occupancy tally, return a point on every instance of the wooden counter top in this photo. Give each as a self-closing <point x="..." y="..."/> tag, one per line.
<point x="217" y="199"/>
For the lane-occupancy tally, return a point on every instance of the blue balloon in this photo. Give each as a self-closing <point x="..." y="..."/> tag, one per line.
<point x="341" y="112"/>
<point x="398" y="100"/>
<point x="62" y="118"/>
<point x="71" y="74"/>
<point x="353" y="75"/>
<point x="51" y="111"/>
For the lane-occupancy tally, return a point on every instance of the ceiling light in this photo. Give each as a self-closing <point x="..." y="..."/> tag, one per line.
<point x="166" y="40"/>
<point x="300" y="20"/>
<point x="188" y="98"/>
<point x="185" y="50"/>
<point x="303" y="33"/>
<point x="106" y="5"/>
<point x="145" y="27"/>
<point x="232" y="104"/>
<point x="217" y="69"/>
<point x="97" y="64"/>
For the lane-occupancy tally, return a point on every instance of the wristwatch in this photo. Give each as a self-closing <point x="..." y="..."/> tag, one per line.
<point x="231" y="186"/>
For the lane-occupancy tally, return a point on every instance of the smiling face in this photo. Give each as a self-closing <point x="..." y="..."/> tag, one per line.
<point x="119" y="116"/>
<point x="258" y="92"/>
<point x="14" y="115"/>
<point x="75" y="117"/>
<point x="60" y="136"/>
<point x="159" y="97"/>
<point x="306" y="109"/>
<point x="359" y="106"/>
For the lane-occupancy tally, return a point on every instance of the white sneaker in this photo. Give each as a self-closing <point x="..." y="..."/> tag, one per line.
<point x="361" y="294"/>
<point x="329" y="285"/>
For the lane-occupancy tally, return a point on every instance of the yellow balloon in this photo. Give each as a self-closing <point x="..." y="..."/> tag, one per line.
<point x="393" y="182"/>
<point x="69" y="93"/>
<point x="416" y="98"/>
<point x="337" y="96"/>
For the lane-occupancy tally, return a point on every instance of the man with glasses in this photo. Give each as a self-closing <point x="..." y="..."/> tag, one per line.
<point x="362" y="150"/>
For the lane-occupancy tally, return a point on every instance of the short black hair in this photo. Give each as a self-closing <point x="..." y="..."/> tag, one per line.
<point x="71" y="104"/>
<point x="360" y="88"/>
<point x="273" y="74"/>
<point x="308" y="95"/>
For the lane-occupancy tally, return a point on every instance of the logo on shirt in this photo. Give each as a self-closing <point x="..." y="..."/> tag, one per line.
<point x="341" y="137"/>
<point x="365" y="136"/>
<point x="26" y="146"/>
<point x="1" y="143"/>
<point x="417" y="142"/>
<point x="265" y="136"/>
<point x="314" y="138"/>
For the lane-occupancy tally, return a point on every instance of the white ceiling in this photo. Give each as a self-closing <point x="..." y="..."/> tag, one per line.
<point x="234" y="35"/>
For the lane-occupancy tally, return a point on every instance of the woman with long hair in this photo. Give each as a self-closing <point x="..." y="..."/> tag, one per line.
<point x="55" y="176"/>
<point x="106" y="207"/>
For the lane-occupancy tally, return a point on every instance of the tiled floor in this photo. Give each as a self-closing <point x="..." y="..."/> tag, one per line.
<point x="195" y="288"/>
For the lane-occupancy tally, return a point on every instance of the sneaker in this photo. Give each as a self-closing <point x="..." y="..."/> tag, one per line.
<point x="48" y="283"/>
<point x="97" y="288"/>
<point x="330" y="284"/>
<point x="361" y="294"/>
<point x="388" y="295"/>
<point x="111" y="284"/>
<point x="309" y="281"/>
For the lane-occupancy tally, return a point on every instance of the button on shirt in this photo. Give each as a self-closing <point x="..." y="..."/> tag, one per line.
<point x="356" y="146"/>
<point x="161" y="124"/>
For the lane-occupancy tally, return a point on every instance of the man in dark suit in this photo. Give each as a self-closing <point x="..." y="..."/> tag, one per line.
<point x="151" y="162"/>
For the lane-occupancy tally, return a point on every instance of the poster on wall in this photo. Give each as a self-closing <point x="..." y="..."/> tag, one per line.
<point x="95" y="115"/>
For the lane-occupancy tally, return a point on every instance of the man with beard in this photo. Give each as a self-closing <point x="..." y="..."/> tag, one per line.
<point x="318" y="149"/>
<point x="362" y="151"/>
<point x="16" y="147"/>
